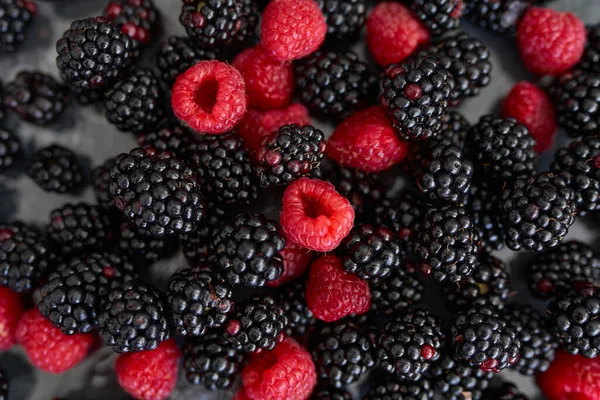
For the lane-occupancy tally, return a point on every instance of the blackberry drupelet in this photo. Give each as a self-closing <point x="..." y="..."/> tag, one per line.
<point x="345" y="18"/>
<point x="15" y="18"/>
<point x="250" y="19"/>
<point x="292" y="299"/>
<point x="333" y="84"/>
<point x="10" y="146"/>
<point x="484" y="207"/>
<point x="439" y="16"/>
<point x="56" y="169"/>
<point x="169" y="137"/>
<point x="101" y="184"/>
<point x="73" y="296"/>
<point x="590" y="61"/>
<point x="133" y="318"/>
<point x="484" y="339"/>
<point x="499" y="16"/>
<point x="3" y="386"/>
<point x="177" y="54"/>
<point x="390" y="388"/>
<point x="455" y="380"/>
<point x="322" y="392"/>
<point x="398" y="292"/>
<point x="195" y="245"/>
<point x="454" y="129"/>
<point x="212" y="23"/>
<point x="507" y="391"/>
<point x="138" y="19"/>
<point x="135" y="103"/>
<point x="140" y="246"/>
<point x="537" y="212"/>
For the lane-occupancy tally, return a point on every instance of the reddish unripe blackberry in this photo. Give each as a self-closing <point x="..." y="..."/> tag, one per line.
<point x="485" y="208"/>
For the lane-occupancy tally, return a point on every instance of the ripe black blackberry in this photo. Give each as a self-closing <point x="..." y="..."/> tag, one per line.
<point x="138" y="19"/>
<point x="345" y="18"/>
<point x="499" y="16"/>
<point x="292" y="299"/>
<point x="454" y="129"/>
<point x="56" y="169"/>
<point x="250" y="19"/>
<point x="195" y="245"/>
<point x="157" y="192"/>
<point x="562" y="268"/>
<point x="212" y="23"/>
<point x="258" y="324"/>
<point x="168" y="137"/>
<point x="410" y="343"/>
<point x="140" y="245"/>
<point x="590" y="61"/>
<point x="439" y="16"/>
<point x="247" y="249"/>
<point x="415" y="96"/>
<point x="212" y="361"/>
<point x="93" y="54"/>
<point x="343" y="353"/>
<point x="484" y="339"/>
<point x="133" y="318"/>
<point x="484" y="207"/>
<point x="3" y="386"/>
<point x="537" y="212"/>
<point x="289" y="154"/>
<point x="101" y="184"/>
<point x="455" y="380"/>
<point x="135" y="103"/>
<point x="74" y="293"/>
<point x="177" y="54"/>
<point x="10" y="146"/>
<point x="15" y="19"/>
<point x="398" y="292"/>
<point x="333" y="83"/>
<point x="507" y="391"/>
<point x="323" y="392"/>
<point x="24" y="256"/>
<point x="390" y="388"/>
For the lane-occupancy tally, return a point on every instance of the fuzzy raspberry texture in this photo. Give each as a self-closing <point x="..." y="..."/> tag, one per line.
<point x="366" y="141"/>
<point x="292" y="29"/>
<point x="296" y="260"/>
<point x="210" y="97"/>
<point x="314" y="215"/>
<point x="394" y="33"/>
<point x="550" y="42"/>
<point x="269" y="82"/>
<point x="11" y="309"/>
<point x="285" y="373"/>
<point x="47" y="347"/>
<point x="532" y="107"/>
<point x="332" y="293"/>
<point x="149" y="375"/>
<point x="571" y="377"/>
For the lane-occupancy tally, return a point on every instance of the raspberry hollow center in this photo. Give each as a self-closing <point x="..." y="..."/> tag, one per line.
<point x="313" y="208"/>
<point x="206" y="95"/>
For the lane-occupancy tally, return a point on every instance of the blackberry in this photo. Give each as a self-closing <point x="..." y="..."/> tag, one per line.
<point x="56" y="169"/>
<point x="74" y="293"/>
<point x="212" y="361"/>
<point x="330" y="393"/>
<point x="177" y="54"/>
<point x="247" y="249"/>
<point x="333" y="84"/>
<point x="10" y="146"/>
<point x="343" y="353"/>
<point x="157" y="192"/>
<point x="448" y="243"/>
<point x="537" y="212"/>
<point x="391" y="388"/>
<point x="415" y="96"/>
<point x="562" y="268"/>
<point x="3" y="386"/>
<point x="484" y="207"/>
<point x="141" y="246"/>
<point x="454" y="129"/>
<point x="101" y="184"/>
<point x="439" y="16"/>
<point x="398" y="292"/>
<point x="258" y="324"/>
<point x="537" y="342"/>
<point x="93" y="54"/>
<point x="169" y="137"/>
<point x="288" y="154"/>
<point x="250" y="19"/>
<point x="24" y="256"/>
<point x="212" y="23"/>
<point x="507" y="391"/>
<point x="484" y="339"/>
<point x="345" y="18"/>
<point x="195" y="245"/>
<point x="499" y="16"/>
<point x="15" y="19"/>
<point x="138" y="19"/>
<point x="199" y="300"/>
<point x="590" y="61"/>
<point x="133" y="318"/>
<point x="135" y="103"/>
<point x="292" y="299"/>
<point x="455" y="380"/>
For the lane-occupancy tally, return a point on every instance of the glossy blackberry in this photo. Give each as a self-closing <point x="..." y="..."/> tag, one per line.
<point x="168" y="137"/>
<point x="454" y="130"/>
<point x="24" y="256"/>
<point x="15" y="19"/>
<point x="390" y="388"/>
<point x="177" y="54"/>
<point x="484" y="207"/>
<point x="212" y="361"/>
<point x="292" y="299"/>
<point x="499" y="16"/>
<point x="415" y="96"/>
<point x="133" y="318"/>
<point x="537" y="212"/>
<point x="74" y="293"/>
<point x="212" y="23"/>
<point x="289" y="154"/>
<point x="141" y="246"/>
<point x="507" y="391"/>
<point x="345" y="18"/>
<point x="157" y="192"/>
<point x="101" y="183"/>
<point x="56" y="169"/>
<point x="10" y="146"/>
<point x="439" y="16"/>
<point x="398" y="292"/>
<point x="135" y="103"/>
<point x="590" y="61"/>
<point x="138" y="19"/>
<point x="323" y="392"/>
<point x="484" y="339"/>
<point x="250" y="19"/>
<point x="93" y="54"/>
<point x="195" y="245"/>
<point x="332" y="83"/>
<point x="258" y="324"/>
<point x="455" y="380"/>
<point x="3" y="386"/>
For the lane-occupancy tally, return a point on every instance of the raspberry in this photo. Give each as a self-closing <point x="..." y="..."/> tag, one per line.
<point x="149" y="375"/>
<point x="394" y="33"/>
<point x="269" y="82"/>
<point x="210" y="97"/>
<point x="550" y="42"/>
<point x="11" y="309"/>
<point x="571" y="377"/>
<point x="332" y="293"/>
<point x="47" y="347"/>
<point x="285" y="373"/>
<point x="296" y="260"/>
<point x="314" y="215"/>
<point x="532" y="107"/>
<point x="366" y="141"/>
<point x="292" y="29"/>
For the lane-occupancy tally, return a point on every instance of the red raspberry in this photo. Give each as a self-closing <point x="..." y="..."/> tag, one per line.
<point x="366" y="141"/>
<point x="47" y="347"/>
<point x="11" y="309"/>
<point x="332" y="293"/>
<point x="285" y="373"/>
<point x="550" y="42"/>
<point x="149" y="375"/>
<point x="394" y="33"/>
<point x="532" y="107"/>
<point x="210" y="97"/>
<point x="296" y="260"/>
<point x="241" y="395"/>
<point x="257" y="125"/>
<point x="314" y="215"/>
<point x="292" y="29"/>
<point x="571" y="377"/>
<point x="269" y="82"/>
